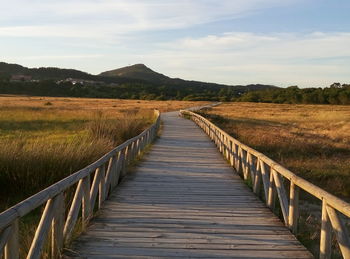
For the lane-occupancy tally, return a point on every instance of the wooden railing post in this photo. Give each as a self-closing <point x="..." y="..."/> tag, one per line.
<point x="123" y="161"/>
<point x="245" y="161"/>
<point x="282" y="196"/>
<point x="234" y="157"/>
<point x="341" y="232"/>
<point x="252" y="168"/>
<point x="293" y="207"/>
<point x="57" y="227"/>
<point x="73" y="211"/>
<point x="326" y="234"/>
<point x="43" y="228"/>
<point x="231" y="155"/>
<point x="109" y="175"/>
<point x="257" y="178"/>
<point x="116" y="174"/>
<point x="265" y="179"/>
<point x="102" y="187"/>
<point x="127" y="155"/>
<point x="86" y="202"/>
<point x="12" y="246"/>
<point x="271" y="200"/>
<point x="139" y="145"/>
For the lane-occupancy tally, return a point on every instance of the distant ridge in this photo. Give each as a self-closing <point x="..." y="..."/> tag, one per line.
<point x="142" y="72"/>
<point x="132" y="82"/>
<point x="42" y="72"/>
<point x="129" y="74"/>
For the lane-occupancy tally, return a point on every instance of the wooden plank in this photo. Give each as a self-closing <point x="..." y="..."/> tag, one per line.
<point x="4" y="235"/>
<point x="282" y="196"/>
<point x="12" y="246"/>
<point x="95" y="187"/>
<point x="326" y="234"/>
<point x="57" y="227"/>
<point x="271" y="199"/>
<point x="86" y="202"/>
<point x="293" y="208"/>
<point x="105" y="251"/>
<point x="265" y="179"/>
<point x="43" y="228"/>
<point x="341" y="231"/>
<point x="102" y="187"/>
<point x="184" y="201"/>
<point x="73" y="211"/>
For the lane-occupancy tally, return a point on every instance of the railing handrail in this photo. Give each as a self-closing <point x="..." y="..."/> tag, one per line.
<point x="117" y="160"/>
<point x="240" y="155"/>
<point x="314" y="190"/>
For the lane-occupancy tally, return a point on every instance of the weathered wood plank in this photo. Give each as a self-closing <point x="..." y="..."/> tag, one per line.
<point x="183" y="200"/>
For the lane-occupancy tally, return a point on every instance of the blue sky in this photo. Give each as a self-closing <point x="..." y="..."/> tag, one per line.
<point x="289" y="42"/>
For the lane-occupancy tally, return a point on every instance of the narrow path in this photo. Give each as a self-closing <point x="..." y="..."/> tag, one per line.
<point x="184" y="201"/>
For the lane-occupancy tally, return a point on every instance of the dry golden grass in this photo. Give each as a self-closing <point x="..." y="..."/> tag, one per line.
<point x="311" y="140"/>
<point x="44" y="139"/>
<point x="84" y="105"/>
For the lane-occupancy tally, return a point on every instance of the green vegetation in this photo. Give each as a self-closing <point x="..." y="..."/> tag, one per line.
<point x="335" y="94"/>
<point x="142" y="83"/>
<point x="134" y="82"/>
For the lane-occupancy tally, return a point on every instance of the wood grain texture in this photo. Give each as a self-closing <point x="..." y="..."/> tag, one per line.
<point x="185" y="201"/>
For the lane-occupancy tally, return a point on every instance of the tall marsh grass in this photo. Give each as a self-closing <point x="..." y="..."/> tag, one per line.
<point x="312" y="141"/>
<point x="34" y="158"/>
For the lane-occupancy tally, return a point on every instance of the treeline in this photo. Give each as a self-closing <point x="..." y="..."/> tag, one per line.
<point x="335" y="94"/>
<point x="135" y="90"/>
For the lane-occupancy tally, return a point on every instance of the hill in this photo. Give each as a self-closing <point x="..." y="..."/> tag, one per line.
<point x="42" y="73"/>
<point x="142" y="72"/>
<point x="132" y="82"/>
<point x="138" y="71"/>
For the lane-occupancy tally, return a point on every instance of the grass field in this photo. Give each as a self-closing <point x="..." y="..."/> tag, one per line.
<point x="312" y="141"/>
<point x="44" y="139"/>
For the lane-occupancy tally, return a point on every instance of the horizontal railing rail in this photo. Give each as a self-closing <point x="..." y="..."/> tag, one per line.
<point x="93" y="185"/>
<point x="268" y="177"/>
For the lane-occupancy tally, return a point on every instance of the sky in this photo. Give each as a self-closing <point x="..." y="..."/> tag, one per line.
<point x="278" y="42"/>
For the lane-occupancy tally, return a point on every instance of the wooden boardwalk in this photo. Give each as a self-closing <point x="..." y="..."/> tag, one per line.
<point x="184" y="201"/>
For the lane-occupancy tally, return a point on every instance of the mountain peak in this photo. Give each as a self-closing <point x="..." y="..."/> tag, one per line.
<point x="137" y="71"/>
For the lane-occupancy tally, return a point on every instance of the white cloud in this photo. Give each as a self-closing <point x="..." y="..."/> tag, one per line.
<point x="79" y="18"/>
<point x="56" y="57"/>
<point x="314" y="59"/>
<point x="118" y="31"/>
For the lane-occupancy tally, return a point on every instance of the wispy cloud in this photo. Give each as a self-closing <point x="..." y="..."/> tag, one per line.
<point x="283" y="58"/>
<point x="88" y="18"/>
<point x="174" y="37"/>
<point x="56" y="57"/>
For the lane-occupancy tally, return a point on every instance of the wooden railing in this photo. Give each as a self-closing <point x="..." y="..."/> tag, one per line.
<point x="93" y="185"/>
<point x="270" y="178"/>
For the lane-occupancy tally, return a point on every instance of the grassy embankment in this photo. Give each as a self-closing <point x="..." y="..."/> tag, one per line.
<point x="312" y="141"/>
